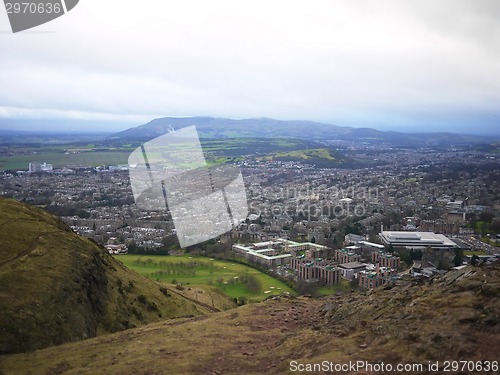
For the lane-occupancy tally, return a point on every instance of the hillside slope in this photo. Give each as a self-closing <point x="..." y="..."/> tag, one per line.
<point x="453" y="318"/>
<point x="57" y="287"/>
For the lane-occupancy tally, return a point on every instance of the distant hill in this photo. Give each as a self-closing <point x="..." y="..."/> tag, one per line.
<point x="57" y="287"/>
<point x="452" y="318"/>
<point x="210" y="127"/>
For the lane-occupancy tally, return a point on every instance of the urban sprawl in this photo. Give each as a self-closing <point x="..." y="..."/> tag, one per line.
<point x="418" y="214"/>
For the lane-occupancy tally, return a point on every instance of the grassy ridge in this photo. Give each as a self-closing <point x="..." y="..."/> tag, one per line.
<point x="201" y="271"/>
<point x="57" y="287"/>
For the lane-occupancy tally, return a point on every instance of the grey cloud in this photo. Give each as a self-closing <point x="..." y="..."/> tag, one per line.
<point x="366" y="63"/>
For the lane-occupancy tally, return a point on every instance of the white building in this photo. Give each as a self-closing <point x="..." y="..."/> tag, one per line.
<point x="416" y="240"/>
<point x="37" y="167"/>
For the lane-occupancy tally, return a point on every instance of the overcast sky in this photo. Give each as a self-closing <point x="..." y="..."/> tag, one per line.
<point x="413" y="65"/>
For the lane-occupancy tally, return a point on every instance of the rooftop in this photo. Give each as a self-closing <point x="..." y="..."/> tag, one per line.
<point x="371" y="244"/>
<point x="416" y="239"/>
<point x="352" y="265"/>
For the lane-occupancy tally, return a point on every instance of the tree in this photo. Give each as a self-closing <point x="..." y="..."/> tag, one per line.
<point x="82" y="214"/>
<point x="245" y="238"/>
<point x="457" y="260"/>
<point x="495" y="226"/>
<point x="474" y="260"/>
<point x="419" y="254"/>
<point x="253" y="284"/>
<point x="354" y="283"/>
<point x="170" y="241"/>
<point x="305" y="288"/>
<point x="406" y="257"/>
<point x="486" y="216"/>
<point x="441" y="264"/>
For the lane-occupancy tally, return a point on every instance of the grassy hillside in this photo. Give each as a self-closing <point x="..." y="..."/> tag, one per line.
<point x="56" y="286"/>
<point x="320" y="157"/>
<point x="451" y="318"/>
<point x="321" y="153"/>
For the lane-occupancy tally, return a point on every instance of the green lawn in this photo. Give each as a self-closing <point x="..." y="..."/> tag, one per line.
<point x="473" y="252"/>
<point x="200" y="271"/>
<point x="490" y="241"/>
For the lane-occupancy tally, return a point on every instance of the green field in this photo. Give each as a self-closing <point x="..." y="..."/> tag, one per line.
<point x="474" y="252"/>
<point x="59" y="159"/>
<point x="490" y="241"/>
<point x="320" y="153"/>
<point x="112" y="152"/>
<point x="202" y="271"/>
<point x="320" y="157"/>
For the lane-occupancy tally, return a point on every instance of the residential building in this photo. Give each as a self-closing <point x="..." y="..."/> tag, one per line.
<point x="37" y="167"/>
<point x="276" y="252"/>
<point x="350" y="270"/>
<point x="380" y="276"/>
<point x="315" y="271"/>
<point x="351" y="238"/>
<point x="346" y="256"/>
<point x="385" y="259"/>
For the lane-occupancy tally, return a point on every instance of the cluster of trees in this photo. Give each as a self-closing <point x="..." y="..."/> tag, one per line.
<point x="133" y="248"/>
<point x="408" y="256"/>
<point x="458" y="259"/>
<point x="305" y="288"/>
<point x="168" y="243"/>
<point x="175" y="272"/>
<point x="485" y="223"/>
<point x="68" y="210"/>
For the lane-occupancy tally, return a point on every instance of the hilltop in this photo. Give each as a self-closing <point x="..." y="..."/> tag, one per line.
<point x="57" y="287"/>
<point x="455" y="317"/>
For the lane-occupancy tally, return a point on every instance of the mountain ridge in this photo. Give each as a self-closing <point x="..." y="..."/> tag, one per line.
<point x="212" y="127"/>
